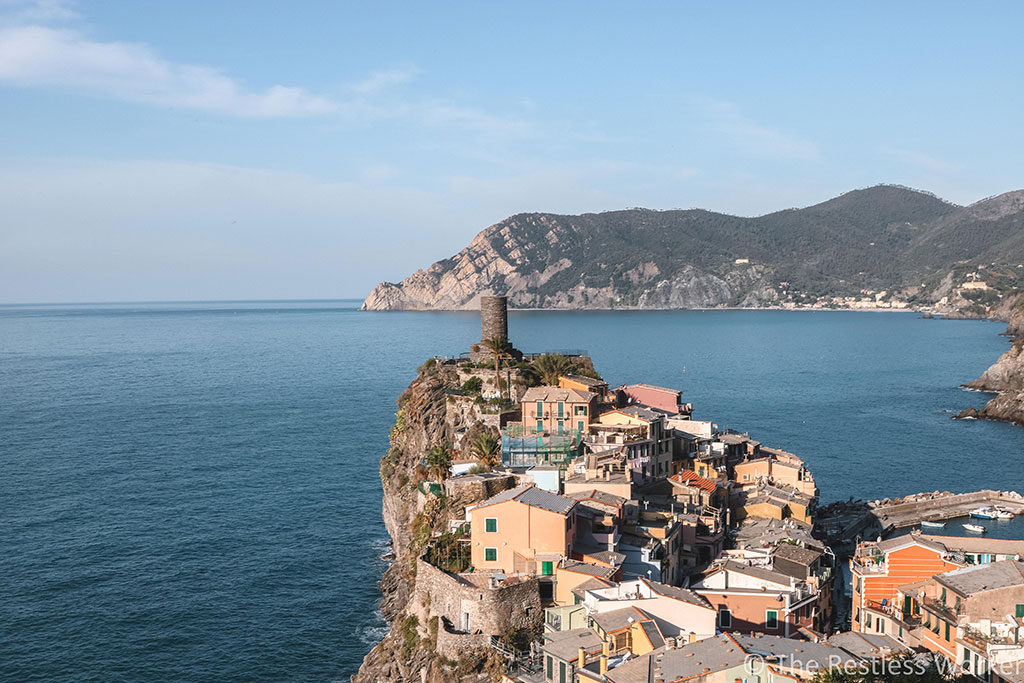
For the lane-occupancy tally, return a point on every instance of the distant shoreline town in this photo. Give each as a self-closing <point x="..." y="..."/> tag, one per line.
<point x="551" y="528"/>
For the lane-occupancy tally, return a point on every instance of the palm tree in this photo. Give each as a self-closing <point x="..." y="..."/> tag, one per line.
<point x="439" y="462"/>
<point x="551" y="366"/>
<point x="499" y="348"/>
<point x="487" y="449"/>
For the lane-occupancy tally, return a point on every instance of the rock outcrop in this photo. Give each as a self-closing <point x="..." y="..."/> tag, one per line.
<point x="419" y="648"/>
<point x="1005" y="378"/>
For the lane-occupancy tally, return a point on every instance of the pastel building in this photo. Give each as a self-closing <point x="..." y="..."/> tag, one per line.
<point x="524" y="530"/>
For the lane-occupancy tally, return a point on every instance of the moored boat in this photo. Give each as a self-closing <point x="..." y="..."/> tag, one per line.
<point x="932" y="525"/>
<point x="975" y="528"/>
<point x="1003" y="513"/>
<point x="984" y="513"/>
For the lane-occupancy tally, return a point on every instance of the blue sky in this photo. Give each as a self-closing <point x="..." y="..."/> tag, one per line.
<point x="209" y="150"/>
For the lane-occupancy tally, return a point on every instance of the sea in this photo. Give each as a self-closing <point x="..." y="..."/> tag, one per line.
<point x="189" y="491"/>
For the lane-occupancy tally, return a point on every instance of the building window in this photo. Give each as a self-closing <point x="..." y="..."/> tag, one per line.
<point x="881" y="625"/>
<point x="540" y="408"/>
<point x="561" y="672"/>
<point x="867" y="621"/>
<point x="540" y="425"/>
<point x="943" y="598"/>
<point x="579" y="410"/>
<point x="579" y="425"/>
<point x="551" y="667"/>
<point x="561" y="409"/>
<point x="1020" y="611"/>
<point x="724" y="618"/>
<point x="490" y="554"/>
<point x="771" y="619"/>
<point x="547" y="568"/>
<point x="491" y="525"/>
<point x="947" y="630"/>
<point x="561" y="426"/>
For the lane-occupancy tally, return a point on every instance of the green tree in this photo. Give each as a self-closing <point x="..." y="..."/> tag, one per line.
<point x="551" y="366"/>
<point x="439" y="462"/>
<point x="487" y="448"/>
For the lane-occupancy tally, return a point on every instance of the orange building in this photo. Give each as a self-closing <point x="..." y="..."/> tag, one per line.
<point x="879" y="569"/>
<point x="525" y="530"/>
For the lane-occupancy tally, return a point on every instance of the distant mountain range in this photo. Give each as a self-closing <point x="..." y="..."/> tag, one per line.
<point x="885" y="243"/>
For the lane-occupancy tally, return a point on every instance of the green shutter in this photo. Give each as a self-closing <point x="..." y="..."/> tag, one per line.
<point x="491" y="525"/>
<point x="490" y="554"/>
<point x="1020" y="611"/>
<point x="561" y="409"/>
<point x="547" y="568"/>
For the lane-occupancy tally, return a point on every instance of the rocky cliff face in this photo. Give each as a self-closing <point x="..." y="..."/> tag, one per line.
<point x="427" y="416"/>
<point x="1005" y="378"/>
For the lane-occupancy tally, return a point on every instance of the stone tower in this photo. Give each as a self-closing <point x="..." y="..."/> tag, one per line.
<point x="493" y="317"/>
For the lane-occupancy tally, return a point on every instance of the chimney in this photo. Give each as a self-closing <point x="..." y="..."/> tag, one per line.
<point x="582" y="660"/>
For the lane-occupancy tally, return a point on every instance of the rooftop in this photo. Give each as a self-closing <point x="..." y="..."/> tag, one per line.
<point x="548" y="394"/>
<point x="692" y="659"/>
<point x="587" y="381"/>
<point x="866" y="645"/>
<point x="796" y="653"/>
<point x="598" y="496"/>
<point x="566" y="644"/>
<point x="691" y="478"/>
<point x="534" y="497"/>
<point x="618" y="619"/>
<point x="977" y="544"/>
<point x="795" y="553"/>
<point x="676" y="593"/>
<point x="984" y="577"/>
<point x="598" y="570"/>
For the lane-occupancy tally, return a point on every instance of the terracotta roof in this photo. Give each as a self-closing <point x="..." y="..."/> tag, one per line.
<point x="691" y="478"/>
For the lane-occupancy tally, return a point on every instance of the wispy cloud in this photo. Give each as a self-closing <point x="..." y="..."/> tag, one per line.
<point x="61" y="57"/>
<point x="752" y="137"/>
<point x="377" y="81"/>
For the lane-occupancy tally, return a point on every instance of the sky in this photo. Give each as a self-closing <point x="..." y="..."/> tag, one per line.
<point x="171" y="151"/>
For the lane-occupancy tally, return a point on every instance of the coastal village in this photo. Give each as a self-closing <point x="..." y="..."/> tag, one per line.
<point x="581" y="531"/>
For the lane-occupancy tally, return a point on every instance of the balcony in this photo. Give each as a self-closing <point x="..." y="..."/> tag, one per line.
<point x="868" y="565"/>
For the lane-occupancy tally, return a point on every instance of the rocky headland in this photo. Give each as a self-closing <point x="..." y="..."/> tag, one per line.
<point x="1005" y="378"/>
<point x="885" y="246"/>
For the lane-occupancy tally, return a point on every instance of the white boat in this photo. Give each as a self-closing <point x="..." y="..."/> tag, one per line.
<point x="984" y="513"/>
<point x="1002" y="513"/>
<point x="932" y="525"/>
<point x="975" y="528"/>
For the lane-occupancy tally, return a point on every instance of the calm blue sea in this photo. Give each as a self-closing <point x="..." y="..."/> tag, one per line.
<point x="189" y="491"/>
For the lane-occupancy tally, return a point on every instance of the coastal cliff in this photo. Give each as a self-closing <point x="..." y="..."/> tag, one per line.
<point x="432" y="414"/>
<point x="1005" y="377"/>
<point x="886" y="245"/>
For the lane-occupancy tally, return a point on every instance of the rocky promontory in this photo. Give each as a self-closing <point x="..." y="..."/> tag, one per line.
<point x="437" y="414"/>
<point x="1005" y="378"/>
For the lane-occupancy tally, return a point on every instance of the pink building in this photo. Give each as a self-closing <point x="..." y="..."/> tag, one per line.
<point x="661" y="398"/>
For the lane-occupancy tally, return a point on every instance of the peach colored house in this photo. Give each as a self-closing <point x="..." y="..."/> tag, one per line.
<point x="554" y="410"/>
<point x="525" y="530"/>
